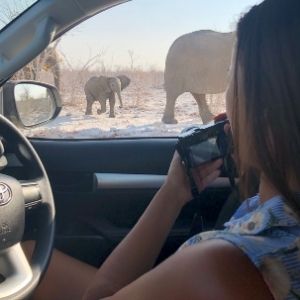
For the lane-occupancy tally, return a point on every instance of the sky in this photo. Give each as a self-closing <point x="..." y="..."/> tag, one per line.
<point x="146" y="28"/>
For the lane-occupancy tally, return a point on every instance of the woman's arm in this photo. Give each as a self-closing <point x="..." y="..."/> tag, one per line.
<point x="213" y="269"/>
<point x="137" y="253"/>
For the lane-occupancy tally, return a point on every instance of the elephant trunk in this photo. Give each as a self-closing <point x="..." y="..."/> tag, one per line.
<point x="120" y="98"/>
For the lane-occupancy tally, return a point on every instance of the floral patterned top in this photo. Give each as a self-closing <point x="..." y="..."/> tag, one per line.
<point x="269" y="234"/>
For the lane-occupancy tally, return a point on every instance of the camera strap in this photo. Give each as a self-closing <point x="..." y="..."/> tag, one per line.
<point x="194" y="189"/>
<point x="186" y="163"/>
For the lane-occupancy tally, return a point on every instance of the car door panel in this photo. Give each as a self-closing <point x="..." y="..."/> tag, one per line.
<point x="102" y="187"/>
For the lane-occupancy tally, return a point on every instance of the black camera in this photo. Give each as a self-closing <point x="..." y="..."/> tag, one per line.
<point x="197" y="145"/>
<point x="200" y="144"/>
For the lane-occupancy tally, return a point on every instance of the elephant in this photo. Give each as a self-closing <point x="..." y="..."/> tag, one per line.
<point x="199" y="63"/>
<point x="101" y="88"/>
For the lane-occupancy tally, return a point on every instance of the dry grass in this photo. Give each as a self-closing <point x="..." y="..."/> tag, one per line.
<point x="72" y="83"/>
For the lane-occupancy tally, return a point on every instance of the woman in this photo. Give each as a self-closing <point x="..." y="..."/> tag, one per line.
<point x="256" y="256"/>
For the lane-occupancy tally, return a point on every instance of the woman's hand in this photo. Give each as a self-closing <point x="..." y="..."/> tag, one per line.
<point x="178" y="185"/>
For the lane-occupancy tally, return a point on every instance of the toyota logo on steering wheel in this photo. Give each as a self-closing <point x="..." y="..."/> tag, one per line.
<point x="5" y="193"/>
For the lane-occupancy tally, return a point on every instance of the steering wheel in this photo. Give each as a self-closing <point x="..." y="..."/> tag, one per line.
<point x="20" y="200"/>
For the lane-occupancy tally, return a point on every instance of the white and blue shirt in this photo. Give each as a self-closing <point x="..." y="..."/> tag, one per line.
<point x="269" y="234"/>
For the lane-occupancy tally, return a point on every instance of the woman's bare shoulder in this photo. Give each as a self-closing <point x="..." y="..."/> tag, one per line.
<point x="213" y="269"/>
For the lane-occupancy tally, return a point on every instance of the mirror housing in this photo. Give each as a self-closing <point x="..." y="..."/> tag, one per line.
<point x="29" y="103"/>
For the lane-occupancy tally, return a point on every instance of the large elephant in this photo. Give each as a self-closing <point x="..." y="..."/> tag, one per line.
<point x="101" y="88"/>
<point x="198" y="63"/>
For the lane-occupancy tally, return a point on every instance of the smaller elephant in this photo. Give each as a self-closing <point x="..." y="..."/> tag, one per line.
<point x="101" y="88"/>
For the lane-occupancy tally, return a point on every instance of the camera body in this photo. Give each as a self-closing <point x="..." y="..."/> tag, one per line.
<point x="197" y="145"/>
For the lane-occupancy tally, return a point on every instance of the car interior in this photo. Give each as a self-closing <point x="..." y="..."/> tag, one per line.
<point x="79" y="196"/>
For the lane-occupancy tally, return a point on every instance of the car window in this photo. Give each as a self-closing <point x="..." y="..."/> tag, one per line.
<point x="146" y="68"/>
<point x="11" y="9"/>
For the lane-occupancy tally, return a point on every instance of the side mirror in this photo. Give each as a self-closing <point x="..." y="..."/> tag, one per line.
<point x="30" y="103"/>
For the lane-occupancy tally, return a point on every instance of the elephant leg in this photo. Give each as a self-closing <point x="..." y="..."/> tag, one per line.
<point x="204" y="110"/>
<point x="103" y="107"/>
<point x="169" y="113"/>
<point x="89" y="105"/>
<point x="112" y="102"/>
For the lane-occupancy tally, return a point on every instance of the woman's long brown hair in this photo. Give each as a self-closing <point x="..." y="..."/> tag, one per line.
<point x="266" y="105"/>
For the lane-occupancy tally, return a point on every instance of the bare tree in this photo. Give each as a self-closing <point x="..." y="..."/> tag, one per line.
<point x="136" y="78"/>
<point x="48" y="60"/>
<point x="10" y="9"/>
<point x="80" y="74"/>
<point x="132" y="59"/>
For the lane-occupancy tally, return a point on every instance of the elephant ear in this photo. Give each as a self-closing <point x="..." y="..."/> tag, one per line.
<point x="125" y="81"/>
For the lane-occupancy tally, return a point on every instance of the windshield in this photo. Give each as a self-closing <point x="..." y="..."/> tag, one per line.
<point x="147" y="68"/>
<point x="11" y="9"/>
